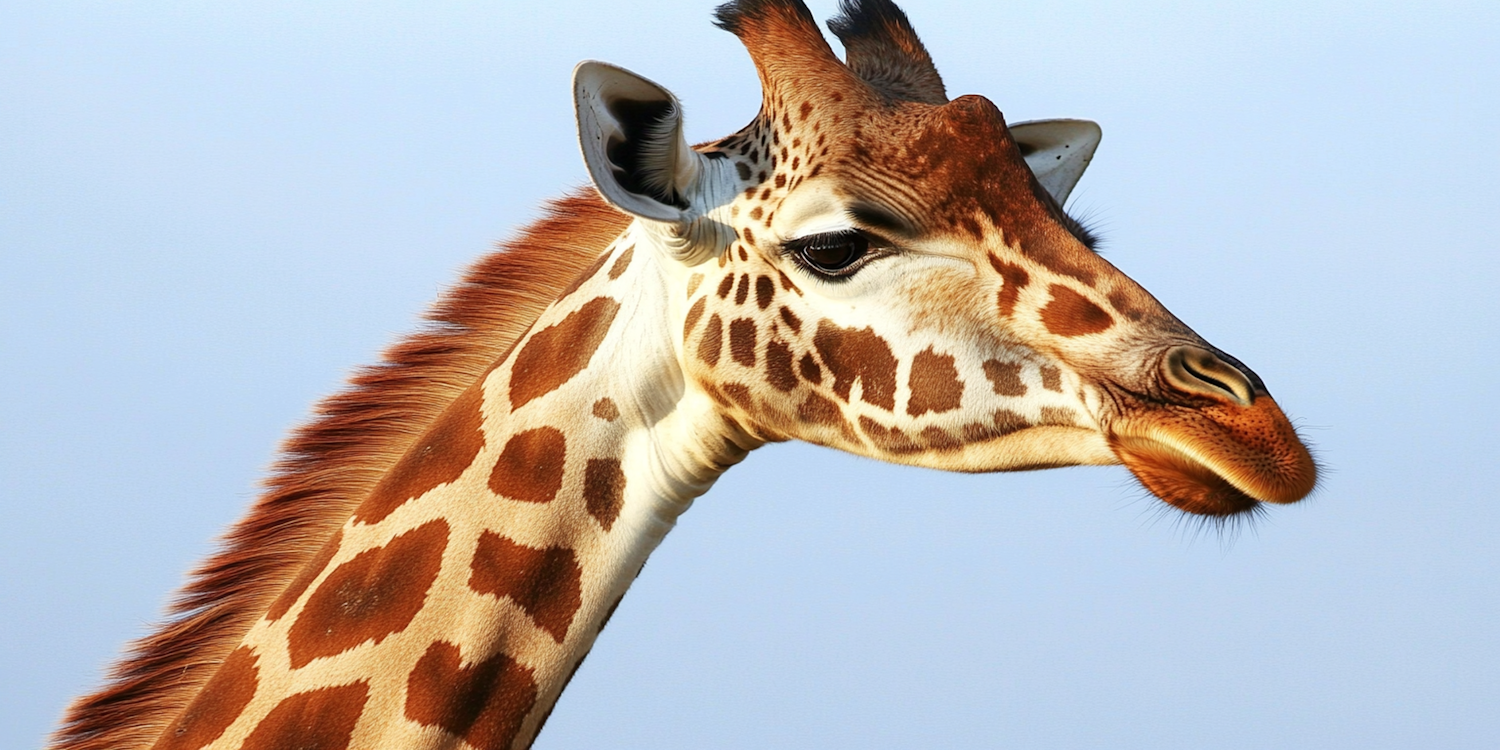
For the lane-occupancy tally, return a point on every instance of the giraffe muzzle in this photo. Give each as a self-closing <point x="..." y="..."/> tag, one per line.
<point x="1221" y="453"/>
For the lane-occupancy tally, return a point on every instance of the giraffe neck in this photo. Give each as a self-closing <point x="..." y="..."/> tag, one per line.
<point x="461" y="596"/>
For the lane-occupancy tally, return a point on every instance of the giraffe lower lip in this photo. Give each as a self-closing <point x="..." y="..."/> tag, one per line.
<point x="1180" y="481"/>
<point x="1217" y="460"/>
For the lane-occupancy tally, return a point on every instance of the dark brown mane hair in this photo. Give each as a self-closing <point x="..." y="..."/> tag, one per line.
<point x="328" y="465"/>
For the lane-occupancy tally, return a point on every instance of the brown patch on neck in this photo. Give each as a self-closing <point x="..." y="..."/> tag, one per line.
<point x="220" y="703"/>
<point x="546" y="583"/>
<point x="321" y="719"/>
<point x="622" y="263"/>
<point x="556" y="353"/>
<point x="484" y="703"/>
<point x="606" y="410"/>
<point x="604" y="490"/>
<point x="298" y="586"/>
<point x="441" y="456"/>
<point x="333" y="463"/>
<point x="530" y="467"/>
<point x="373" y="595"/>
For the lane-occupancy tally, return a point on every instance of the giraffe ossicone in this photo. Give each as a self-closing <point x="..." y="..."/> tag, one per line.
<point x="868" y="265"/>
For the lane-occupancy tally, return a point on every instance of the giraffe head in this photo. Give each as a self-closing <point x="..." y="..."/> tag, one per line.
<point x="872" y="266"/>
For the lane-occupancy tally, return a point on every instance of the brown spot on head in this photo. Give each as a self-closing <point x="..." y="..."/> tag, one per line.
<point x="940" y="439"/>
<point x="739" y="394"/>
<point x="1058" y="416"/>
<point x="604" y="490"/>
<point x="808" y="368"/>
<point x="889" y="439"/>
<point x="743" y="291"/>
<point x="295" y="589"/>
<point x="556" y="353"/>
<point x="858" y="354"/>
<point x="606" y="410"/>
<point x="621" y="263"/>
<point x="321" y="719"/>
<point x="449" y="446"/>
<point x="530" y="467"/>
<point x="764" y="289"/>
<point x="743" y="170"/>
<point x="934" y="382"/>
<point x="1120" y="300"/>
<point x="820" y="411"/>
<point x="1005" y="377"/>
<point x="1072" y="314"/>
<point x="371" y="596"/>
<point x="693" y="314"/>
<point x="779" y="366"/>
<point x="791" y="320"/>
<point x="483" y="703"/>
<point x="218" y="704"/>
<point x="1052" y="378"/>
<point x="712" y="341"/>
<point x="742" y="341"/>
<point x="726" y="285"/>
<point x="805" y="110"/>
<point x="545" y="583"/>
<point x="1007" y="421"/>
<point x="1013" y="279"/>
<point x="693" y="282"/>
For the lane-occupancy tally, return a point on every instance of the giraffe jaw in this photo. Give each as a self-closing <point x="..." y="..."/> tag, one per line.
<point x="1217" y="461"/>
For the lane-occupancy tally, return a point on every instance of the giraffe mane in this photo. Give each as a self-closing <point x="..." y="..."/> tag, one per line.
<point x="329" y="464"/>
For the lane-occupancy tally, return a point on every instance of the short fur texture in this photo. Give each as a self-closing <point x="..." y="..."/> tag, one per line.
<point x="330" y="464"/>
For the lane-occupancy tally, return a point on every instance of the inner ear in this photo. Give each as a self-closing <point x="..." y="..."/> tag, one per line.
<point x="631" y="133"/>
<point x="640" y="152"/>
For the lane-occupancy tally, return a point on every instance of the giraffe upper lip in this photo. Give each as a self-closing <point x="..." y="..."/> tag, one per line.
<point x="1216" y="460"/>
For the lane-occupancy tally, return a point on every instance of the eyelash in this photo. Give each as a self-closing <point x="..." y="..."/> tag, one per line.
<point x="818" y="253"/>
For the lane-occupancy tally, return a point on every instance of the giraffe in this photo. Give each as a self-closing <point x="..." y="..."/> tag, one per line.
<point x="868" y="265"/>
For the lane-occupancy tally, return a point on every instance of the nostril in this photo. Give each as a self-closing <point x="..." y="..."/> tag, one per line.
<point x="1201" y="372"/>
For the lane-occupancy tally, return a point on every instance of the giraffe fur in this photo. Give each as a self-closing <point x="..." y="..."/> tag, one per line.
<point x="868" y="265"/>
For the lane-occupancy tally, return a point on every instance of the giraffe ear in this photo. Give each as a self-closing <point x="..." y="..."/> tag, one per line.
<point x="1057" y="151"/>
<point x="631" y="133"/>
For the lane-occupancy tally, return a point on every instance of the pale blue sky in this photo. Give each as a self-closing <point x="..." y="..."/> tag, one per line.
<point x="210" y="213"/>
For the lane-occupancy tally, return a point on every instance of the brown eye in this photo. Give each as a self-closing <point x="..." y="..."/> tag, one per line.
<point x="831" y="254"/>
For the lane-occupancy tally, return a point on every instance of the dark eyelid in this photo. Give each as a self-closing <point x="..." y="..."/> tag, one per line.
<point x="879" y="219"/>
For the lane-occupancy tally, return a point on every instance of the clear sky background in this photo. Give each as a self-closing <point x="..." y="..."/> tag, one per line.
<point x="210" y="213"/>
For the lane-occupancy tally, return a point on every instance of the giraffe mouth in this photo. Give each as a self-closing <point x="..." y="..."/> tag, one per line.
<point x="1217" y="461"/>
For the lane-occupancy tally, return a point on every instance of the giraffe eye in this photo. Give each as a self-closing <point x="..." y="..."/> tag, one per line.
<point x="832" y="254"/>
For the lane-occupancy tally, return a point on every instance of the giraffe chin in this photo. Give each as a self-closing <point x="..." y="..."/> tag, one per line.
<point x="1219" y="461"/>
